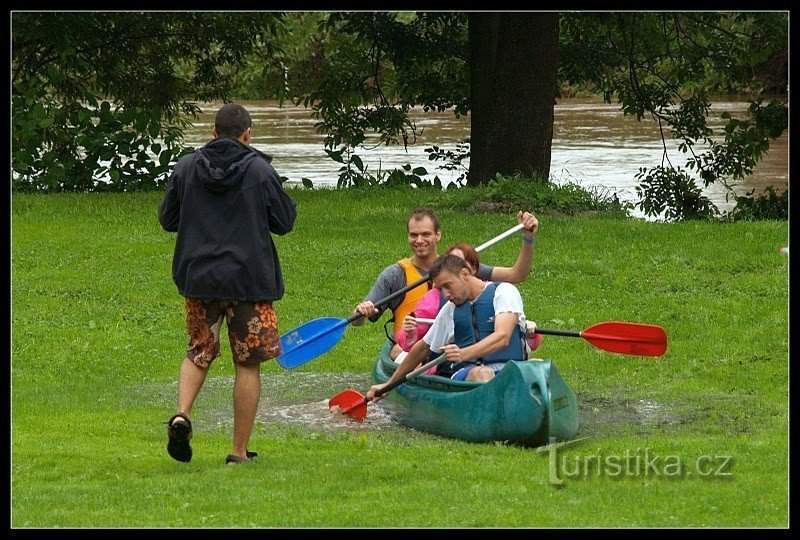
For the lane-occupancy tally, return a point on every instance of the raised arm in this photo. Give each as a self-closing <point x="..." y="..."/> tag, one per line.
<point x="519" y="272"/>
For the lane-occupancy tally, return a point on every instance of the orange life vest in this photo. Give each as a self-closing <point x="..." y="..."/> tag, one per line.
<point x="411" y="297"/>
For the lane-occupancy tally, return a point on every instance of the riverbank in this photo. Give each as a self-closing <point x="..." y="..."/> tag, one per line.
<point x="98" y="334"/>
<point x="594" y="145"/>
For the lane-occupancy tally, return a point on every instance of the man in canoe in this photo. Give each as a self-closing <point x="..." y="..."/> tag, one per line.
<point x="429" y="305"/>
<point x="424" y="234"/>
<point x="479" y="329"/>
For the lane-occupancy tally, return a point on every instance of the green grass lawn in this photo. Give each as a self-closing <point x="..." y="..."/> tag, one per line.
<point x="98" y="334"/>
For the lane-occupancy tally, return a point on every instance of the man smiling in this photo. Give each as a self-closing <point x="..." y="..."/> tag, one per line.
<point x="424" y="234"/>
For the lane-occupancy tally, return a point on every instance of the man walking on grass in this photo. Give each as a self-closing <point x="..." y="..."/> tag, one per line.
<point x="224" y="200"/>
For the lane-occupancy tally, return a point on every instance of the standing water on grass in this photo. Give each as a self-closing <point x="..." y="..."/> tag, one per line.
<point x="300" y="400"/>
<point x="292" y="399"/>
<point x="594" y="146"/>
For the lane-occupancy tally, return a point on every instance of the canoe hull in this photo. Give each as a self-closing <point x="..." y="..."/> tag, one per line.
<point x="527" y="403"/>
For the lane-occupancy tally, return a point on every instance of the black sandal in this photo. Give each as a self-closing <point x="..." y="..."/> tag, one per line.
<point x="233" y="458"/>
<point x="179" y="434"/>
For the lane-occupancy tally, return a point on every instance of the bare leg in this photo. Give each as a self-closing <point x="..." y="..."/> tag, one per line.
<point x="480" y="374"/>
<point x="395" y="351"/>
<point x="193" y="376"/>
<point x="191" y="380"/>
<point x="246" y="394"/>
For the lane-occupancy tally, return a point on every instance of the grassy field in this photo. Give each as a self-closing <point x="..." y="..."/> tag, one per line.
<point x="98" y="335"/>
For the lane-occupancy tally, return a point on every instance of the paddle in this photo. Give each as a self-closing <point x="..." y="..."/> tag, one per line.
<point x="354" y="404"/>
<point x="637" y="339"/>
<point x="318" y="336"/>
<point x="619" y="337"/>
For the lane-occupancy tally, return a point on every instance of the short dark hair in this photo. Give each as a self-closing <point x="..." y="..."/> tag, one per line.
<point x="451" y="263"/>
<point x="470" y="255"/>
<point x="421" y="213"/>
<point x="232" y="120"/>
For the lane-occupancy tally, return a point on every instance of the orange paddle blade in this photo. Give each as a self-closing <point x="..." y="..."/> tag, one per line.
<point x="627" y="338"/>
<point x="349" y="402"/>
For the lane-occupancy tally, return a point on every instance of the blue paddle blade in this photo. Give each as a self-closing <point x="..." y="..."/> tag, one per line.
<point x="310" y="340"/>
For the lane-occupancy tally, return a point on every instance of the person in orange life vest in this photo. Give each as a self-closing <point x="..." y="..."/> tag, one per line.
<point x="424" y="234"/>
<point x="480" y="328"/>
<point x="429" y="305"/>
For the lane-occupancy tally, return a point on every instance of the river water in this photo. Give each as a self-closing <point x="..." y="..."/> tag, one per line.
<point x="594" y="145"/>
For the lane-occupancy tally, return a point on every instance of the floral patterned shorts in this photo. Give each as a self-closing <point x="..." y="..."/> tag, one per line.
<point x="252" y="330"/>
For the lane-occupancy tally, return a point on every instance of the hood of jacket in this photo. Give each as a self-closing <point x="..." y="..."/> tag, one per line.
<point x="222" y="162"/>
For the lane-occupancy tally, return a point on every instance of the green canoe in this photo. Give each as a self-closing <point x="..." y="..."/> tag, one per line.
<point x="526" y="403"/>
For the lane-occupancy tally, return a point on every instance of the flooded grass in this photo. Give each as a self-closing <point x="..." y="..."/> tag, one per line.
<point x="296" y="400"/>
<point x="601" y="416"/>
<point x="606" y="417"/>
<point x="300" y="401"/>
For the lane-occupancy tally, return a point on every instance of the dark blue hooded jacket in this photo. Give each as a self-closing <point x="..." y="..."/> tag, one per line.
<point x="224" y="200"/>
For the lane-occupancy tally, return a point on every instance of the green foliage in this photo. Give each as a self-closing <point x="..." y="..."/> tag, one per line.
<point x="361" y="73"/>
<point x="675" y="192"/>
<point x="503" y="194"/>
<point x="81" y="143"/>
<point x="672" y="192"/>
<point x="635" y="54"/>
<point x="767" y="206"/>
<point x="354" y="173"/>
<point x="375" y="66"/>
<point x="100" y="100"/>
<point x="369" y="69"/>
<point x="536" y="194"/>
<point x="665" y="65"/>
<point x="454" y="159"/>
<point x="280" y="73"/>
<point x="745" y="142"/>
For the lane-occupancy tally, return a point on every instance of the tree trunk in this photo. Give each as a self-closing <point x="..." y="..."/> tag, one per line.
<point x="513" y="61"/>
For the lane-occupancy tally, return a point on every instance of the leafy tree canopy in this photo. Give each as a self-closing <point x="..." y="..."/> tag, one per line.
<point x="110" y="93"/>
<point x="665" y="65"/>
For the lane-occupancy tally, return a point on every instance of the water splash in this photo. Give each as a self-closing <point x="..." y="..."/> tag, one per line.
<point x="298" y="399"/>
<point x="317" y="415"/>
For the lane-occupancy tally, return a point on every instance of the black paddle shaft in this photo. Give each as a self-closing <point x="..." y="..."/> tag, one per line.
<point x="390" y="387"/>
<point x="435" y="362"/>
<point x="391" y="297"/>
<point x="568" y="333"/>
<point x="385" y="389"/>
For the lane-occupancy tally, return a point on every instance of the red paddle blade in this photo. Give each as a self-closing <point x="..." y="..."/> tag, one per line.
<point x="627" y="338"/>
<point x="349" y="402"/>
